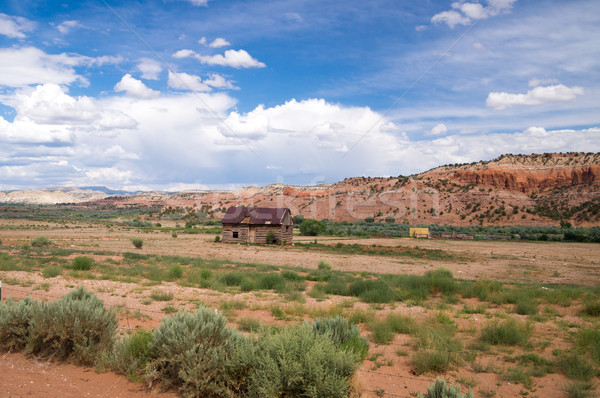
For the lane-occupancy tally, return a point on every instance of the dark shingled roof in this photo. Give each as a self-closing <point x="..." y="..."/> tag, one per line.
<point x="255" y="215"/>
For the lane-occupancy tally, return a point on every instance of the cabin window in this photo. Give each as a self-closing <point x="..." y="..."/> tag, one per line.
<point x="236" y="234"/>
<point x="287" y="228"/>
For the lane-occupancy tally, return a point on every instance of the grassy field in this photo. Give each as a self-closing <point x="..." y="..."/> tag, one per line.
<point x="518" y="337"/>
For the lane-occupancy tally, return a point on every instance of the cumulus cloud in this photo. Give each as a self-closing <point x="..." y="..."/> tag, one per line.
<point x="135" y="88"/>
<point x="29" y="65"/>
<point x="183" y="54"/>
<point x="536" y="96"/>
<point x="184" y="81"/>
<point x="439" y="129"/>
<point x="23" y="66"/>
<point x="67" y="26"/>
<point x="219" y="42"/>
<point x="217" y="81"/>
<point x="234" y="58"/>
<point x="57" y="139"/>
<point x="15" y="27"/>
<point x="150" y="68"/>
<point x="464" y="12"/>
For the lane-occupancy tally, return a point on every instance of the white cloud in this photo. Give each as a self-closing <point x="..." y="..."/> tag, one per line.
<point x="150" y="68"/>
<point x="536" y="96"/>
<point x="202" y="40"/>
<point x="135" y="88"/>
<point x="421" y="28"/>
<point x="219" y="42"/>
<point x="198" y="3"/>
<point x="23" y="66"/>
<point x="217" y="81"/>
<point x="451" y="18"/>
<point x="439" y="129"/>
<point x="463" y="13"/>
<point x="67" y="26"/>
<point x="234" y="58"/>
<point x="168" y="141"/>
<point x="184" y="81"/>
<point x="183" y="54"/>
<point x="15" y="27"/>
<point x="29" y="65"/>
<point x="540" y="82"/>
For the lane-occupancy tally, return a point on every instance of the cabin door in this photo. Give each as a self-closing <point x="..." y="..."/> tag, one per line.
<point x="252" y="235"/>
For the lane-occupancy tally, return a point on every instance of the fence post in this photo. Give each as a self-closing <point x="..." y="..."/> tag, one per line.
<point x="0" y="290"/>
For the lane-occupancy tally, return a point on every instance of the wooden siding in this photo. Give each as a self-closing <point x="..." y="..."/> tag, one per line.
<point x="242" y="231"/>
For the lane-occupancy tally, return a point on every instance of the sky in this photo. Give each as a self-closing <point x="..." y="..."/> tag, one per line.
<point x="211" y="94"/>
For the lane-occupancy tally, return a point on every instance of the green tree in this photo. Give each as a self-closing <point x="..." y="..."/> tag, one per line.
<point x="311" y="228"/>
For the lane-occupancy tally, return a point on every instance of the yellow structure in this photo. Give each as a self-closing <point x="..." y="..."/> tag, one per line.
<point x="419" y="233"/>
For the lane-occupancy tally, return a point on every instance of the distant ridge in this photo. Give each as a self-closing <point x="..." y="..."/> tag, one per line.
<point x="538" y="189"/>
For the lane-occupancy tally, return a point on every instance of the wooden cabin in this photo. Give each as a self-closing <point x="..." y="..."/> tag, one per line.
<point x="253" y="225"/>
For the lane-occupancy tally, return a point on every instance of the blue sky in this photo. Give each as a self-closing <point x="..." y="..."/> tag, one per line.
<point x="193" y="94"/>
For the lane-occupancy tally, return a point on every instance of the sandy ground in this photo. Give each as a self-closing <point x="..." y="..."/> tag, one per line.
<point x="543" y="262"/>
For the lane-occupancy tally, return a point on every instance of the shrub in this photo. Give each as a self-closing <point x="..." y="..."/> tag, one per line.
<point x="194" y="352"/>
<point x="131" y="354"/>
<point x="76" y="327"/>
<point x="159" y="296"/>
<point x="311" y="228"/>
<point x="271" y="281"/>
<point x="15" y="319"/>
<point x="137" y="242"/>
<point x="82" y="263"/>
<point x="588" y="340"/>
<point x="324" y="265"/>
<point x="51" y="272"/>
<point x="41" y="241"/>
<point x="509" y="332"/>
<point x="176" y="271"/>
<point x="233" y="278"/>
<point x="440" y="389"/>
<point x="7" y="263"/>
<point x="580" y="390"/>
<point x="591" y="307"/>
<point x="174" y="235"/>
<point x="297" y="362"/>
<point x="381" y="332"/>
<point x="576" y="367"/>
<point x="247" y="285"/>
<point x="345" y="336"/>
<point x="271" y="238"/>
<point x="217" y="239"/>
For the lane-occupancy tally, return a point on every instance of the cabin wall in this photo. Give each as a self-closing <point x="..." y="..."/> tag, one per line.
<point x="229" y="229"/>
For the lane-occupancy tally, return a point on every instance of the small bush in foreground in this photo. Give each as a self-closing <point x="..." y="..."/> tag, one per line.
<point x="41" y="241"/>
<point x="82" y="263"/>
<point x="192" y="351"/>
<point x="344" y="335"/>
<point x="297" y="362"/>
<point x="137" y="242"/>
<point x="15" y="319"/>
<point x="441" y="390"/>
<point x="75" y="327"/>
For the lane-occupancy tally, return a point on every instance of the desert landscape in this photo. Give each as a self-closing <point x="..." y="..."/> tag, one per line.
<point x="501" y="318"/>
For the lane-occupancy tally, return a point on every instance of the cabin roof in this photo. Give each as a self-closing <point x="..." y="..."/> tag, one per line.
<point x="255" y="215"/>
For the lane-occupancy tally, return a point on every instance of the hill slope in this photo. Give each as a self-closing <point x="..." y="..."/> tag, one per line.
<point x="509" y="190"/>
